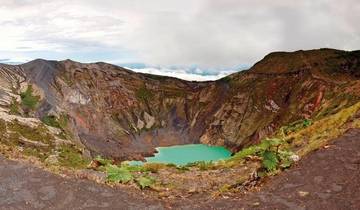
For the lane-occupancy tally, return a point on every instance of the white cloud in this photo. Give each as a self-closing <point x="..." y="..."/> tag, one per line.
<point x="184" y="74"/>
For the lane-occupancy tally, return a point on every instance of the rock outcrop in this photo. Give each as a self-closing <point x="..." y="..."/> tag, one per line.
<point x="115" y="112"/>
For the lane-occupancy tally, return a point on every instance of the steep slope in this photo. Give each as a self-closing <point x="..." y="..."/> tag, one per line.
<point x="115" y="112"/>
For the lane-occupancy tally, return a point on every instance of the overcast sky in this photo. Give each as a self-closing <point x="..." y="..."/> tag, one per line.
<point x="191" y="39"/>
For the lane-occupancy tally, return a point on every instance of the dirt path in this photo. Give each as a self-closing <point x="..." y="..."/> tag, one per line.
<point x="25" y="187"/>
<point x="326" y="179"/>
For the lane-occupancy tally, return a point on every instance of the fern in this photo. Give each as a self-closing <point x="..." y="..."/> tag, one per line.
<point x="270" y="160"/>
<point x="145" y="181"/>
<point x="117" y="174"/>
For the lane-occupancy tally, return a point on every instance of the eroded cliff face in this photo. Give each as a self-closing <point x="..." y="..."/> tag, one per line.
<point x="115" y="112"/>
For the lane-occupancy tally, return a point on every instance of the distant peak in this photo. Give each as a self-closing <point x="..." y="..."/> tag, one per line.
<point x="284" y="62"/>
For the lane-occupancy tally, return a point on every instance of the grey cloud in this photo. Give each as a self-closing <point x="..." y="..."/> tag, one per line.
<point x="208" y="33"/>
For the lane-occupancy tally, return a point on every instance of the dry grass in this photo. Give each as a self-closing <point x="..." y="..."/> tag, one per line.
<point x="321" y="131"/>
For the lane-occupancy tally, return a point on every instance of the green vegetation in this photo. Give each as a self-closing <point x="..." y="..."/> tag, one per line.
<point x="204" y="165"/>
<point x="321" y="131"/>
<point x="144" y="94"/>
<point x="296" y="126"/>
<point x="39" y="133"/>
<point x="182" y="169"/>
<point x="118" y="174"/>
<point x="51" y="120"/>
<point x="156" y="77"/>
<point x="67" y="79"/>
<point x="36" y="152"/>
<point x="270" y="160"/>
<point x="57" y="122"/>
<point x="14" y="107"/>
<point x="145" y="181"/>
<point x="103" y="161"/>
<point x="274" y="153"/>
<point x="153" y="167"/>
<point x="28" y="99"/>
<point x="71" y="157"/>
<point x="226" y="79"/>
<point x="125" y="173"/>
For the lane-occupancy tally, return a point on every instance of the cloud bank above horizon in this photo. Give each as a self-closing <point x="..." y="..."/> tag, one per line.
<point x="210" y="34"/>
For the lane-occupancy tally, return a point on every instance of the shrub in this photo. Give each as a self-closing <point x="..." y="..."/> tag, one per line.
<point x="103" y="161"/>
<point x="28" y="100"/>
<point x="118" y="174"/>
<point x="144" y="94"/>
<point x="145" y="181"/>
<point x="57" y="122"/>
<point x="51" y="120"/>
<point x="273" y="152"/>
<point x="14" y="107"/>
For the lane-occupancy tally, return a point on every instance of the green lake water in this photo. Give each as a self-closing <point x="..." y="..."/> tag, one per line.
<point x="184" y="154"/>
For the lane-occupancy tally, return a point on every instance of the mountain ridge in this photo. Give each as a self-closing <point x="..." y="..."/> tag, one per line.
<point x="115" y="112"/>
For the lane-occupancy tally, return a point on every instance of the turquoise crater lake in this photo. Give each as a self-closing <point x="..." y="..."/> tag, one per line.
<point x="184" y="154"/>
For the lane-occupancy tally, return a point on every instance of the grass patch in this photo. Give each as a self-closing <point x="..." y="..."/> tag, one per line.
<point x="321" y="131"/>
<point x="71" y="157"/>
<point x="36" y="152"/>
<point x="39" y="133"/>
<point x="153" y="167"/>
<point x="57" y="122"/>
<point x="50" y="120"/>
<point x="14" y="107"/>
<point x="296" y="126"/>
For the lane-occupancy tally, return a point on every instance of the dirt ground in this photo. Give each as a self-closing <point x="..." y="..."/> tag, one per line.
<point x="325" y="179"/>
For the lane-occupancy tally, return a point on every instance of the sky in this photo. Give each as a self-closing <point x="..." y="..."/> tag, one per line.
<point x="189" y="39"/>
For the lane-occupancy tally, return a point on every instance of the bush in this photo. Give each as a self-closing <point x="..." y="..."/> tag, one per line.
<point x="144" y="94"/>
<point x="103" y="161"/>
<point x="51" y="120"/>
<point x="56" y="122"/>
<point x="145" y="181"/>
<point x="28" y="100"/>
<point x="273" y="153"/>
<point x="118" y="174"/>
<point x="14" y="107"/>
